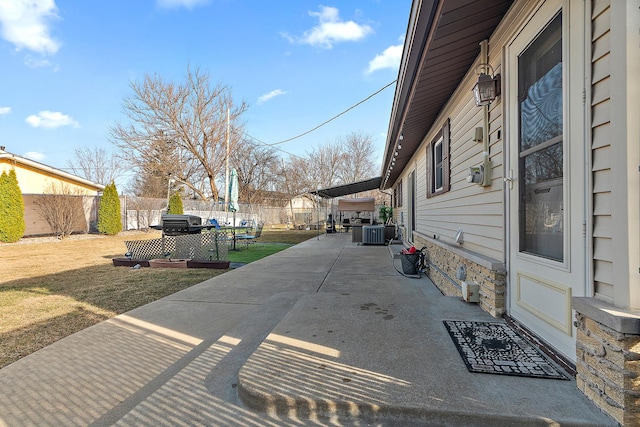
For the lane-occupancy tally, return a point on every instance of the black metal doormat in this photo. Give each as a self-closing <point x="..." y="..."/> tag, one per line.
<point x="495" y="348"/>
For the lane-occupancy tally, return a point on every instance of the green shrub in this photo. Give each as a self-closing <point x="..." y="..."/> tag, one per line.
<point x="109" y="221"/>
<point x="175" y="205"/>
<point x="12" y="223"/>
<point x="386" y="213"/>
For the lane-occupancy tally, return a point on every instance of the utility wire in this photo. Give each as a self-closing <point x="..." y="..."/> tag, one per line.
<point x="323" y="123"/>
<point x="269" y="145"/>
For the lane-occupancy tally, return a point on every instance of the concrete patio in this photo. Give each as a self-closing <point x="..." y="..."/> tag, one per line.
<point x="324" y="333"/>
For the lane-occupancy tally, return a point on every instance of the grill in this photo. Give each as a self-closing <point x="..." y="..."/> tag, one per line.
<point x="177" y="225"/>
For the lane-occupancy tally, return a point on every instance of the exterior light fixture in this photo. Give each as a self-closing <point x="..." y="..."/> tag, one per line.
<point x="487" y="88"/>
<point x="401" y="137"/>
<point x="395" y="154"/>
<point x="399" y="146"/>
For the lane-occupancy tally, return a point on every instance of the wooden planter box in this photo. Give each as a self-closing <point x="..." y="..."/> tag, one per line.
<point x="168" y="263"/>
<point x="192" y="263"/>
<point x="129" y="262"/>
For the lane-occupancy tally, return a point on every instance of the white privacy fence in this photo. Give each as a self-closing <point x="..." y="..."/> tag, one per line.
<point x="142" y="213"/>
<point x="142" y="219"/>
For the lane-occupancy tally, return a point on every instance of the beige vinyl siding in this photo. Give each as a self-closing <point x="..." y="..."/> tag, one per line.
<point x="478" y="211"/>
<point x="601" y="151"/>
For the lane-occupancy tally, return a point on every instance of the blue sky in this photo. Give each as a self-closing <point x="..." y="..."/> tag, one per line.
<point x="66" y="66"/>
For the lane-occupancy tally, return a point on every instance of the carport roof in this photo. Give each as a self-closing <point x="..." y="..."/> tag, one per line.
<point x="351" y="188"/>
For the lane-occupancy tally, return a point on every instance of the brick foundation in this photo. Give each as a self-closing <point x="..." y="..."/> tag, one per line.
<point x="446" y="259"/>
<point x="608" y="358"/>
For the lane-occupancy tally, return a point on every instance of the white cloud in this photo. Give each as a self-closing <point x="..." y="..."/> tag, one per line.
<point x="32" y="62"/>
<point x="390" y="58"/>
<point x="270" y="95"/>
<point x="34" y="155"/>
<point x="25" y="24"/>
<point x="331" y="29"/>
<point x="51" y="120"/>
<point x="175" y="4"/>
<point x="4" y="110"/>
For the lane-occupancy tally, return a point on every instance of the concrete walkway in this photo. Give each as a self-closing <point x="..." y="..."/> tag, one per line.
<point x="324" y="333"/>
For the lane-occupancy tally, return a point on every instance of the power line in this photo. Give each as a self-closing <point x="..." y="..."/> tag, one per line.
<point x="267" y="144"/>
<point x="273" y="144"/>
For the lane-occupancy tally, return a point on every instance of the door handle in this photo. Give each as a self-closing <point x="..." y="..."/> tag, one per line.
<point x="509" y="179"/>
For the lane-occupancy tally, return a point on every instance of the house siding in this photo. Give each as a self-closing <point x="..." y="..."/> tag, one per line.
<point x="607" y="351"/>
<point x="478" y="211"/>
<point x="601" y="156"/>
<point x="606" y="320"/>
<point x="36" y="225"/>
<point x="36" y="179"/>
<point x="40" y="181"/>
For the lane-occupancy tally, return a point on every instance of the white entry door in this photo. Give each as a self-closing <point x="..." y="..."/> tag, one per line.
<point x="545" y="174"/>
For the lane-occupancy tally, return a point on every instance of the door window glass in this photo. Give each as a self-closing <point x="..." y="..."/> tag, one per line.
<point x="541" y="166"/>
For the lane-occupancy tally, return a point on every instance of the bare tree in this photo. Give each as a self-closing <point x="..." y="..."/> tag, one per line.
<point x="63" y="209"/>
<point x="96" y="164"/>
<point x="297" y="174"/>
<point x="342" y="161"/>
<point x="357" y="162"/>
<point x="257" y="169"/>
<point x="324" y="164"/>
<point x="179" y="130"/>
<point x="148" y="184"/>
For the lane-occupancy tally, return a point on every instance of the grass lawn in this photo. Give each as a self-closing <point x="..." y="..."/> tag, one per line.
<point x="51" y="289"/>
<point x="255" y="251"/>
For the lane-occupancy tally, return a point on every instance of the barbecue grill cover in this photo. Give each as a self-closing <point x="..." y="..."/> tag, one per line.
<point x="175" y="225"/>
<point x="185" y="220"/>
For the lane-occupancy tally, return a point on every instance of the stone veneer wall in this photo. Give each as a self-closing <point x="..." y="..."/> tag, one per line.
<point x="608" y="358"/>
<point x="445" y="260"/>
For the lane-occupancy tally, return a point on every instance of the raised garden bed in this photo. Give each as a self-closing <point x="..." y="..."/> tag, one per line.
<point x="194" y="263"/>
<point x="168" y="263"/>
<point x="171" y="263"/>
<point x="130" y="262"/>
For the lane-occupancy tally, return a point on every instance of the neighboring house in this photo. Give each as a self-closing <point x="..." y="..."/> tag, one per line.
<point x="36" y="179"/>
<point x="304" y="210"/>
<point x="537" y="193"/>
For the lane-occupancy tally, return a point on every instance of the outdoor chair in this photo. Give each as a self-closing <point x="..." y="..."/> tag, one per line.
<point x="222" y="232"/>
<point x="250" y="238"/>
<point x="215" y="224"/>
<point x="346" y="224"/>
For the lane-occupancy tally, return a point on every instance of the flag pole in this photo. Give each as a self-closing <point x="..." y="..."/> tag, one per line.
<point x="226" y="174"/>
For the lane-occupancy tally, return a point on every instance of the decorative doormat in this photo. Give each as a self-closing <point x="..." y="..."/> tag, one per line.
<point x="495" y="348"/>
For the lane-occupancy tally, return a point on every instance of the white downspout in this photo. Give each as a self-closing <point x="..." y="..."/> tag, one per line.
<point x="486" y="162"/>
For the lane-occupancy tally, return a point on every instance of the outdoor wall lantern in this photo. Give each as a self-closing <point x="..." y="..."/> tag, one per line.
<point x="487" y="88"/>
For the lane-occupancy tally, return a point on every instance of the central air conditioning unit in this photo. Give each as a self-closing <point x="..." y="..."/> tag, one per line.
<point x="373" y="234"/>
